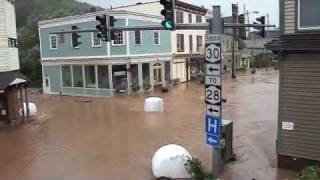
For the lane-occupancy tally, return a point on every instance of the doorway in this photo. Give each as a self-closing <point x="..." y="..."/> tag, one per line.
<point x="157" y="74"/>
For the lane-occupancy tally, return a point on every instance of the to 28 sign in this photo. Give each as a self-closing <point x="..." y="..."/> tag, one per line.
<point x="213" y="53"/>
<point x="213" y="95"/>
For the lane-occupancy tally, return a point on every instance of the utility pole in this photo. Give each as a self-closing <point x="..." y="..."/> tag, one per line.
<point x="235" y="14"/>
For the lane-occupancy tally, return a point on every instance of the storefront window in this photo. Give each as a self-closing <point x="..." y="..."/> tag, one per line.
<point x="167" y="71"/>
<point x="103" y="77"/>
<point x="120" y="83"/>
<point x="66" y="76"/>
<point x="146" y="75"/>
<point x="77" y="76"/>
<point x="135" y="77"/>
<point x="90" y="75"/>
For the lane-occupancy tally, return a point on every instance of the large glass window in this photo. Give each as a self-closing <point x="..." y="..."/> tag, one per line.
<point x="90" y="75"/>
<point x="120" y="82"/>
<point x="167" y="69"/>
<point x="180" y="42"/>
<point x="137" y="37"/>
<point x="103" y="77"/>
<point x="135" y="77"/>
<point x="179" y="17"/>
<point x="66" y="76"/>
<point x="146" y="75"/>
<point x="77" y="76"/>
<point x="309" y="14"/>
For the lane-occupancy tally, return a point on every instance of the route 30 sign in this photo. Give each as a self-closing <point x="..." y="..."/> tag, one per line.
<point x="213" y="95"/>
<point x="213" y="53"/>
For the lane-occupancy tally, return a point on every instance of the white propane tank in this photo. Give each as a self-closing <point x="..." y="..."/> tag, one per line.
<point x="169" y="161"/>
<point x="153" y="104"/>
<point x="32" y="109"/>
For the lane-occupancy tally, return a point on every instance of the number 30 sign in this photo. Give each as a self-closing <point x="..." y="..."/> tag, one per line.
<point x="213" y="53"/>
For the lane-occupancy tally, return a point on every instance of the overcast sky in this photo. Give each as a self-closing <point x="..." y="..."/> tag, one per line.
<point x="264" y="7"/>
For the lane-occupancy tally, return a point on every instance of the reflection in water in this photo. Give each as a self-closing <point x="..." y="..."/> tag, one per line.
<point x="112" y="138"/>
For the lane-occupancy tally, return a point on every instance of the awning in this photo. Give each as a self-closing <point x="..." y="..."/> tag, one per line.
<point x="11" y="78"/>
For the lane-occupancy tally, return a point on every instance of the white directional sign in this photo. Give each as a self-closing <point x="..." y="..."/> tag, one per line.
<point x="213" y="80"/>
<point x="213" y="38"/>
<point x="213" y="69"/>
<point x="213" y="95"/>
<point x="213" y="110"/>
<point x="213" y="53"/>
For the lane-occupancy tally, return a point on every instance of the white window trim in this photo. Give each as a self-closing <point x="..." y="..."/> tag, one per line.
<point x="158" y="38"/>
<point x="134" y="32"/>
<point x="123" y="40"/>
<point x="72" y="43"/>
<point x="299" y="21"/>
<point x="53" y="35"/>
<point x="92" y="41"/>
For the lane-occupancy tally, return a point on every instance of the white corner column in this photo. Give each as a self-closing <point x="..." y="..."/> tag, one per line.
<point x="151" y="75"/>
<point x="129" y="81"/>
<point x="110" y="76"/>
<point x="163" y="73"/>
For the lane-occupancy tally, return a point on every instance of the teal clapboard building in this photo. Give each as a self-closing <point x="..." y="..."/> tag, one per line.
<point x="134" y="62"/>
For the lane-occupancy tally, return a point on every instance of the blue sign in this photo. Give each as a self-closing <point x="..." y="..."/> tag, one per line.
<point x="213" y="125"/>
<point x="214" y="141"/>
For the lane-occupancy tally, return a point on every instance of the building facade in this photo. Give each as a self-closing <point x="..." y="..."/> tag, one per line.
<point x="187" y="46"/>
<point x="12" y="83"/>
<point x="135" y="61"/>
<point x="298" y="143"/>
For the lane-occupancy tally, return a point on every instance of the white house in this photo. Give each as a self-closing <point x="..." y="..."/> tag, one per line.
<point x="12" y="82"/>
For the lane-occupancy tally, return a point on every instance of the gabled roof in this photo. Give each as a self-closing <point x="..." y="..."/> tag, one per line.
<point x="10" y="78"/>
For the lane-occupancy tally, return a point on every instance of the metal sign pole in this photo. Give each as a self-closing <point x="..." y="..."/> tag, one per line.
<point x="213" y="90"/>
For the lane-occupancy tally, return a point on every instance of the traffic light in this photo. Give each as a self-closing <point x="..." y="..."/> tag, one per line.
<point x="262" y="30"/>
<point x="242" y="30"/>
<point x="75" y="37"/>
<point x="112" y="20"/>
<point x="102" y="27"/>
<point x="235" y="10"/>
<point x="168" y="12"/>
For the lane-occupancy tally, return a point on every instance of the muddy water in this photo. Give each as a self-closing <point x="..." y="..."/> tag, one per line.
<point x="113" y="139"/>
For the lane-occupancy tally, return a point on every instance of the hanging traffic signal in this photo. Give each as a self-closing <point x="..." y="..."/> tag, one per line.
<point x="75" y="37"/>
<point x="168" y="12"/>
<point x="112" y="20"/>
<point x="242" y="30"/>
<point x="262" y="30"/>
<point x="102" y="27"/>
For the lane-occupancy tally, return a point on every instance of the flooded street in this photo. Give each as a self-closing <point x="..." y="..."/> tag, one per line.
<point x="113" y="139"/>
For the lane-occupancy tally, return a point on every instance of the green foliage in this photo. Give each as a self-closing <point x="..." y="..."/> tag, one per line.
<point x="310" y="173"/>
<point x="28" y="14"/>
<point x="195" y="168"/>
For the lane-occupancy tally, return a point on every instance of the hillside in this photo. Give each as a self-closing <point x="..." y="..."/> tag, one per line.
<point x="28" y="13"/>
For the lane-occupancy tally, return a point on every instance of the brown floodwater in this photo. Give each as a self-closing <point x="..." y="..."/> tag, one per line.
<point x="113" y="139"/>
